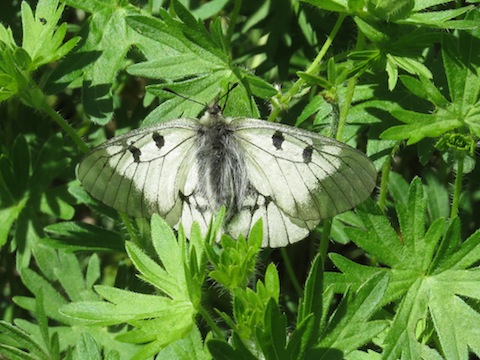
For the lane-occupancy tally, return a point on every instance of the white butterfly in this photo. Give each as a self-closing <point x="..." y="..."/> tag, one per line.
<point x="186" y="169"/>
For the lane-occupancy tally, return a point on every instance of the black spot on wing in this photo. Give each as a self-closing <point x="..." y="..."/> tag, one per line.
<point x="277" y="140"/>
<point x="135" y="152"/>
<point x="159" y="140"/>
<point x="268" y="200"/>
<point x="307" y="154"/>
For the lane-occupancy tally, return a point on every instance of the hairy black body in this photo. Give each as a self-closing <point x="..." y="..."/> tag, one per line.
<point x="222" y="174"/>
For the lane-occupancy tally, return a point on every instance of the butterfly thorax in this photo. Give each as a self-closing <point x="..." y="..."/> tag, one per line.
<point x="221" y="164"/>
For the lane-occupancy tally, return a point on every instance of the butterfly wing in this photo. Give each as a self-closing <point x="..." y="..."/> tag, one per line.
<point x="299" y="178"/>
<point x="145" y="171"/>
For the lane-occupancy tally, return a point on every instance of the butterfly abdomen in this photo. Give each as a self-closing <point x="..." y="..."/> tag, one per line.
<point x="222" y="166"/>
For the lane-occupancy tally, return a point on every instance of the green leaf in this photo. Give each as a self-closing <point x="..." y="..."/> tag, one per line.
<point x="424" y="89"/>
<point x="330" y="5"/>
<point x="49" y="164"/>
<point x="420" y="125"/>
<point x="462" y="75"/>
<point x="234" y="263"/>
<point x="220" y="349"/>
<point x="98" y="59"/>
<point x="154" y="273"/>
<point x="20" y="167"/>
<point x="379" y="238"/>
<point x="190" y="347"/>
<point x="349" y="328"/>
<point x="87" y="348"/>
<point x="390" y="10"/>
<point x="174" y="309"/>
<point x="312" y="301"/>
<point x="465" y="255"/>
<point x="411" y="216"/>
<point x="56" y="202"/>
<point x="53" y="300"/>
<point x="441" y="19"/>
<point x="7" y="218"/>
<point x="433" y="277"/>
<point x="75" y="236"/>
<point x="438" y="202"/>
<point x="372" y="30"/>
<point x="298" y="341"/>
<point x="273" y="336"/>
<point x="23" y="340"/>
<point x="209" y="9"/>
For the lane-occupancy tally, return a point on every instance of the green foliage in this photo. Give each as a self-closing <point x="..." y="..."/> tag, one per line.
<point x="398" y="79"/>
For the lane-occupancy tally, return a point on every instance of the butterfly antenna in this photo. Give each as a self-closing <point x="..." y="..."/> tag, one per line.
<point x="230" y="88"/>
<point x="212" y="109"/>
<point x="183" y="97"/>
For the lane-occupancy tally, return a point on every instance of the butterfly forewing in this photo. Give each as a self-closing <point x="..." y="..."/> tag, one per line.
<point x="144" y="171"/>
<point x="310" y="177"/>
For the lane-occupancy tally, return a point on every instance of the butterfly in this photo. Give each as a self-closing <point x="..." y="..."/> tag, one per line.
<point x="186" y="169"/>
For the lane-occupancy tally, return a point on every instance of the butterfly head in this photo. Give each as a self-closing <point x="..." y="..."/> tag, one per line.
<point x="212" y="115"/>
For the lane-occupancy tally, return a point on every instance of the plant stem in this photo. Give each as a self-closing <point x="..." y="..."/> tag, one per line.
<point x="382" y="198"/>
<point x="312" y="70"/>
<point x="457" y="190"/>
<point x="233" y="20"/>
<point x="291" y="272"/>
<point x="130" y="230"/>
<point x="342" y="119"/>
<point x="325" y="239"/>
<point x="65" y="126"/>
<point x="352" y="83"/>
<point x="206" y="316"/>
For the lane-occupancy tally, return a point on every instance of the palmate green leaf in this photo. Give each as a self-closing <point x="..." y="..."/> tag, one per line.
<point x="23" y="340"/>
<point x="330" y="5"/>
<point x="32" y="193"/>
<point x="190" y="347"/>
<point x="194" y="63"/>
<point x="461" y="112"/>
<point x="61" y="277"/>
<point x="391" y="51"/>
<point x="57" y="202"/>
<point x="236" y="350"/>
<point x="87" y="349"/>
<point x="173" y="309"/>
<point x="390" y="10"/>
<point x="349" y="327"/>
<point x="424" y="89"/>
<point x="438" y="203"/>
<point x="420" y="125"/>
<point x="53" y="299"/>
<point x="42" y="37"/>
<point x="198" y="69"/>
<point x="380" y="238"/>
<point x="42" y="44"/>
<point x="433" y="278"/>
<point x="97" y="61"/>
<point x="444" y="19"/>
<point x="77" y="236"/>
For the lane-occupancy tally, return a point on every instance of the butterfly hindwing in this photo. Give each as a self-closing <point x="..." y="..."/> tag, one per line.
<point x="278" y="228"/>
